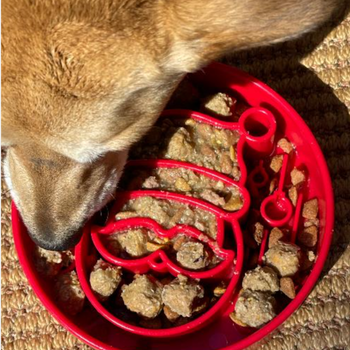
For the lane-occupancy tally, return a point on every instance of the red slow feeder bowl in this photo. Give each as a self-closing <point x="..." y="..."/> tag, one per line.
<point x="268" y="119"/>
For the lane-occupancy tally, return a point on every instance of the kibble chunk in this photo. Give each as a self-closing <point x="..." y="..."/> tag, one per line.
<point x="276" y="163"/>
<point x="293" y="195"/>
<point x="258" y="232"/>
<point x="133" y="242"/>
<point x="219" y="104"/>
<point x="143" y="296"/>
<point x="287" y="287"/>
<point x="183" y="296"/>
<point x="308" y="237"/>
<point x="284" y="258"/>
<point x="275" y="236"/>
<point x="255" y="308"/>
<point x="193" y="255"/>
<point x="263" y="279"/>
<point x="105" y="279"/>
<point x="47" y="262"/>
<point x="297" y="177"/>
<point x="285" y="145"/>
<point x="70" y="295"/>
<point x="310" y="209"/>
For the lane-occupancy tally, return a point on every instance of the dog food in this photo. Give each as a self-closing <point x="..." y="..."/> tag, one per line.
<point x="169" y="213"/>
<point x="194" y="142"/>
<point x="218" y="105"/>
<point x="275" y="236"/>
<point x="183" y="296"/>
<point x="287" y="287"/>
<point x="70" y="295"/>
<point x="263" y="279"/>
<point x="193" y="255"/>
<point x="143" y="296"/>
<point x="297" y="177"/>
<point x="284" y="258"/>
<point x="49" y="263"/>
<point x="185" y="181"/>
<point x="276" y="163"/>
<point x="254" y="308"/>
<point x="285" y="145"/>
<point x="134" y="243"/>
<point x="293" y="195"/>
<point x="258" y="232"/>
<point x="105" y="279"/>
<point x="188" y="252"/>
<point x="310" y="209"/>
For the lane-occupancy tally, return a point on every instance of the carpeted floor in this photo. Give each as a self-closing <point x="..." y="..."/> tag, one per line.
<point x="313" y="74"/>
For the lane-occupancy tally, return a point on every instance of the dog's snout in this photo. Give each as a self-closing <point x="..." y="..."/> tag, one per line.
<point x="51" y="240"/>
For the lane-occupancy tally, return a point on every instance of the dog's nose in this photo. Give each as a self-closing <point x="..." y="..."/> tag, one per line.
<point x="53" y="241"/>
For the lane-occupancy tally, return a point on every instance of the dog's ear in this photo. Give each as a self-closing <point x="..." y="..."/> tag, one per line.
<point x="205" y="30"/>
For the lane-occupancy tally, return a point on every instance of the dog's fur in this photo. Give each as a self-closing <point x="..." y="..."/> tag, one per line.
<point x="84" y="79"/>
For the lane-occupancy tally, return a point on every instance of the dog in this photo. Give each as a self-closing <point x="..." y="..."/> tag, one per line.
<point x="82" y="80"/>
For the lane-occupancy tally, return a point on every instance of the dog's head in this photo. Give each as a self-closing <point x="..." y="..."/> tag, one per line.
<point x="83" y="80"/>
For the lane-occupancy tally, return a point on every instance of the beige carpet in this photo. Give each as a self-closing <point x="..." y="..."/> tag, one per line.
<point x="313" y="74"/>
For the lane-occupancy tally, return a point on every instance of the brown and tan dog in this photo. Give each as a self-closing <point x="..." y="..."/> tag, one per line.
<point x="84" y="79"/>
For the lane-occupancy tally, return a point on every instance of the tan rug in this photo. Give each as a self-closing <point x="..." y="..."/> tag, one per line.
<point x="319" y="89"/>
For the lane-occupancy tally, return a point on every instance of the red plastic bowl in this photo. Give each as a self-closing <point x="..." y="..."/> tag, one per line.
<point x="97" y="331"/>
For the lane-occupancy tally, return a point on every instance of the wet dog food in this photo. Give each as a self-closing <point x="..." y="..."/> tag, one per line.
<point x="143" y="296"/>
<point x="49" y="263"/>
<point x="218" y="105"/>
<point x="263" y="279"/>
<point x="254" y="308"/>
<point x="183" y="296"/>
<point x="285" y="145"/>
<point x="284" y="258"/>
<point x="135" y="243"/>
<point x="194" y="142"/>
<point x="185" y="181"/>
<point x="105" y="279"/>
<point x="193" y="255"/>
<point x="169" y="213"/>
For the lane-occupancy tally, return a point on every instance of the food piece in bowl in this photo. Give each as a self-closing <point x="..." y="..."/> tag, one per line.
<point x="297" y="177"/>
<point x="276" y="235"/>
<point x="276" y="163"/>
<point x="47" y="262"/>
<point x="143" y="296"/>
<point x="254" y="308"/>
<point x="284" y="258"/>
<point x="293" y="195"/>
<point x="105" y="279"/>
<point x="183" y="296"/>
<point x="185" y="181"/>
<point x="308" y="236"/>
<point x="194" y="142"/>
<point x="287" y="287"/>
<point x="220" y="289"/>
<point x="285" y="145"/>
<point x="263" y="279"/>
<point x="218" y="105"/>
<point x="170" y="213"/>
<point x="133" y="241"/>
<point x="193" y="255"/>
<point x="70" y="295"/>
<point x="310" y="209"/>
<point x="258" y="232"/>
<point x="170" y="314"/>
